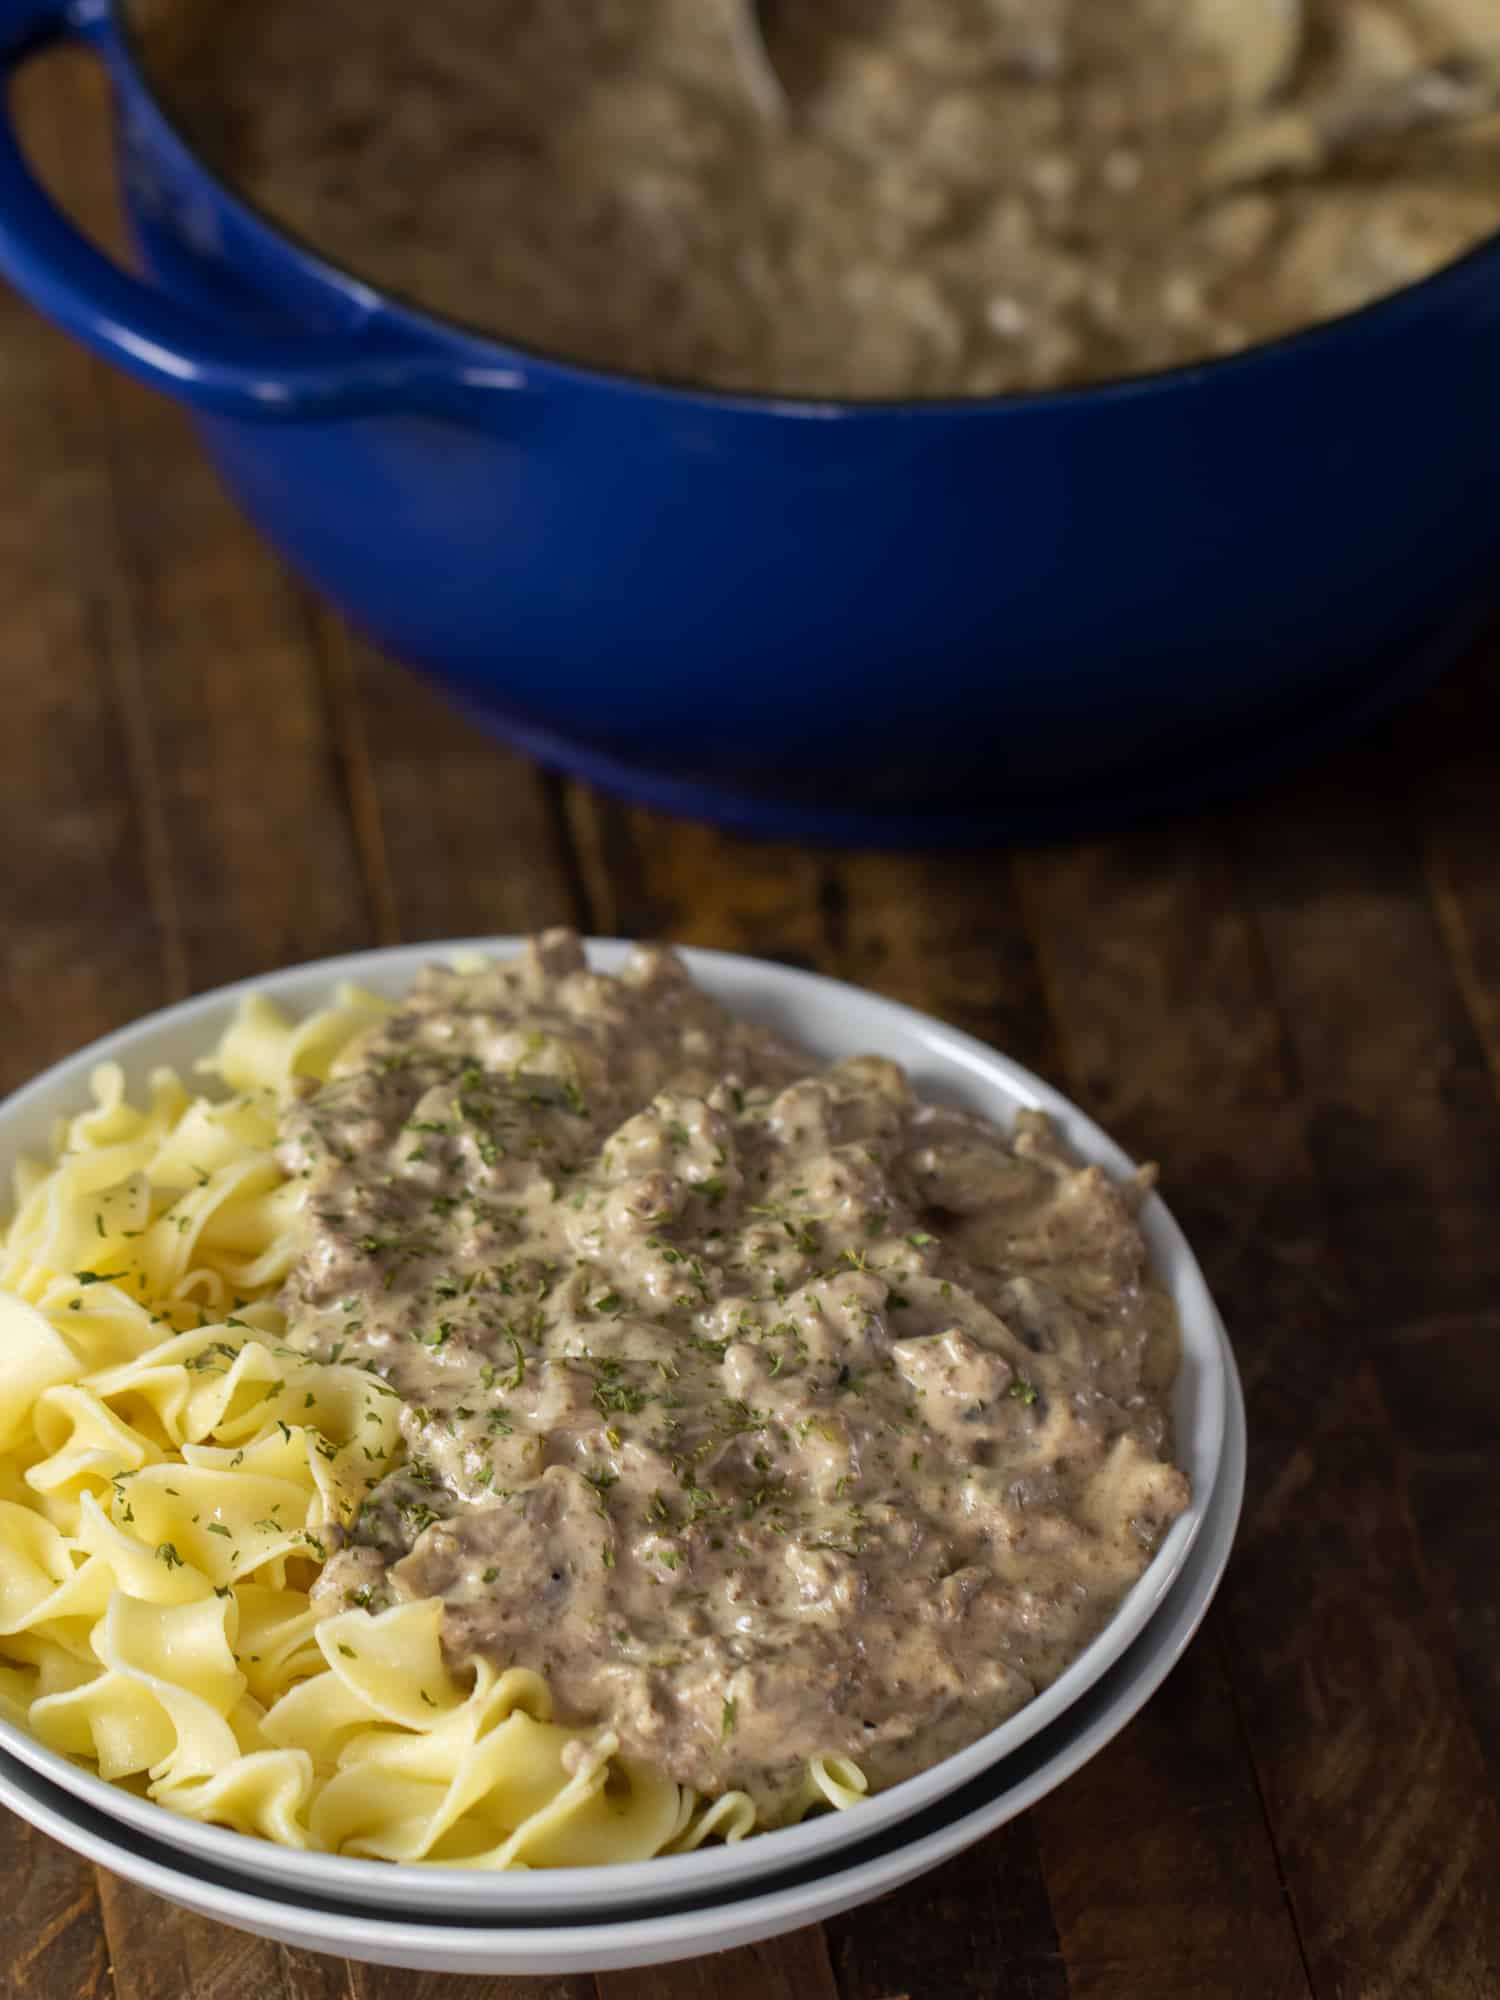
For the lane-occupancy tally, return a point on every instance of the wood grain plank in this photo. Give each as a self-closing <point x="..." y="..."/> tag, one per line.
<point x="1449" y="1415"/>
<point x="389" y="1982"/>
<point x="245" y="775"/>
<point x="83" y="951"/>
<point x="794" y="1967"/>
<point x="1131" y="1887"/>
<point x="459" y="836"/>
<point x="52" y="1946"/>
<point x="1440" y="1372"/>
<point x="947" y="935"/>
<point x="981" y="1924"/>
<point x="1384" y="1824"/>
<point x="264" y="862"/>
<point x="939" y="934"/>
<point x="163" y="1953"/>
<point x="1401" y="1117"/>
<point x="1388" y="1034"/>
<point x="1450" y="770"/>
<point x="647" y="877"/>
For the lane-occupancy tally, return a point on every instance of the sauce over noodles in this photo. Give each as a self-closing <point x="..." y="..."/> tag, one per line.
<point x="764" y="1410"/>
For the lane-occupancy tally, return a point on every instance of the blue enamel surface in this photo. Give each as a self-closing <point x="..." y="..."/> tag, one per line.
<point x="850" y="619"/>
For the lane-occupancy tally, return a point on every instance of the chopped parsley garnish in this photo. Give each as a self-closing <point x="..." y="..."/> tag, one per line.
<point x="613" y="1396"/>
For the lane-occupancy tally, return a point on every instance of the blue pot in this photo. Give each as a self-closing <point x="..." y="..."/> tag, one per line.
<point x="909" y="621"/>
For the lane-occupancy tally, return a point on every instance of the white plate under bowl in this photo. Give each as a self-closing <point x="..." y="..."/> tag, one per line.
<point x="693" y="1926"/>
<point x="831" y="1020"/>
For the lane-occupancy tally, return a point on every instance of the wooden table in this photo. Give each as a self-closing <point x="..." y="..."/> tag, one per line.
<point x="1293" y="1004"/>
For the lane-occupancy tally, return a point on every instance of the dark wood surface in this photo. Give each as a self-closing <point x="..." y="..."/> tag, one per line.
<point x="1292" y="1003"/>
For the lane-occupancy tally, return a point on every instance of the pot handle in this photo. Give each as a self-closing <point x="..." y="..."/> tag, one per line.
<point x="153" y="336"/>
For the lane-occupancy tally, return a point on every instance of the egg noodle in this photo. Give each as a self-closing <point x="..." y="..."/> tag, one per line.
<point x="169" y="1474"/>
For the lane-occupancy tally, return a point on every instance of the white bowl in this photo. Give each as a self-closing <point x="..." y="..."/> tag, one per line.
<point x="684" y="1928"/>
<point x="831" y="1019"/>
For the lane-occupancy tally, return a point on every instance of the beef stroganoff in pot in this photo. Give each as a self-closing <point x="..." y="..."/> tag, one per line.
<point x="970" y="197"/>
<point x="549" y="1421"/>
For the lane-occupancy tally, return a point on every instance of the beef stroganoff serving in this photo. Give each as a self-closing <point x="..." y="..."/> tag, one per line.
<point x="548" y="1421"/>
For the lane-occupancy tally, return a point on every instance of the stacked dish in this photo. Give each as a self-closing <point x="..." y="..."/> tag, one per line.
<point x="676" y="1905"/>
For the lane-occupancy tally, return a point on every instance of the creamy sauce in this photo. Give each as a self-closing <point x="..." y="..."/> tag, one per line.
<point x="975" y="196"/>
<point x="765" y="1410"/>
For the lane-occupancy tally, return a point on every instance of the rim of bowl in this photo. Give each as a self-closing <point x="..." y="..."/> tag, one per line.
<point x="740" y="982"/>
<point x="114" y="27"/>
<point x="949" y="1834"/>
